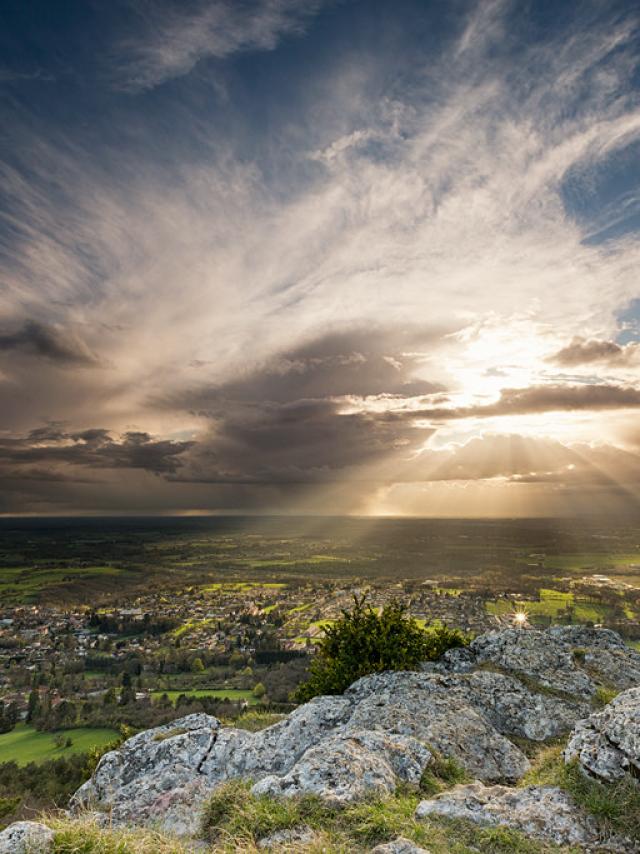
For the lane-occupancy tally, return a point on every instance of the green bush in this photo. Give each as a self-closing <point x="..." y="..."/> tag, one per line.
<point x="364" y="641"/>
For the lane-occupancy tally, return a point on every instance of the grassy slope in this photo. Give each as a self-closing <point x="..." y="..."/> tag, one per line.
<point x="24" y="744"/>
<point x="238" y="819"/>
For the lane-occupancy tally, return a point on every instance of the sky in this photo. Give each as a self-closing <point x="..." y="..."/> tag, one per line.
<point x="320" y="256"/>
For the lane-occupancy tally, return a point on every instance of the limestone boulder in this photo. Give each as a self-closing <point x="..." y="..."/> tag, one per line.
<point x="274" y="750"/>
<point x="541" y="812"/>
<point x="515" y="709"/>
<point x="26" y="837"/>
<point x="154" y="775"/>
<point x="351" y="766"/>
<point x="430" y="708"/>
<point x="540" y="657"/>
<point x="606" y="745"/>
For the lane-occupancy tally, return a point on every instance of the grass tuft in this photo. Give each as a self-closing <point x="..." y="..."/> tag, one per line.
<point x="604" y="696"/>
<point x="232" y="811"/>
<point x="85" y="836"/>
<point x="616" y="806"/>
<point x="236" y="820"/>
<point x="441" y="774"/>
<point x="253" y="720"/>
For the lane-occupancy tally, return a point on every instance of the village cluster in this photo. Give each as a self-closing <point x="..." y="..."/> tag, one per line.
<point x="220" y="637"/>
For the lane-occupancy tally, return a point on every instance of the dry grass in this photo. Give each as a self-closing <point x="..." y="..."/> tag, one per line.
<point x="83" y="835"/>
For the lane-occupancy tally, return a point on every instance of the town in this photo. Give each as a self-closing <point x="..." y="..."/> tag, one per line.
<point x="233" y="643"/>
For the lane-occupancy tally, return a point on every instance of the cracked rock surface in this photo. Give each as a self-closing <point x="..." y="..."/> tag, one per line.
<point x="540" y="812"/>
<point x="26" y="837"/>
<point x="348" y="767"/>
<point x="607" y="744"/>
<point x="543" y="658"/>
<point x="385" y="730"/>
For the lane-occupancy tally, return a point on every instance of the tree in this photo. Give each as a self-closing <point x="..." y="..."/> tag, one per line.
<point x="128" y="694"/>
<point x="110" y="698"/>
<point x="259" y="690"/>
<point x="33" y="708"/>
<point x="8" y="717"/>
<point x="197" y="666"/>
<point x="364" y="641"/>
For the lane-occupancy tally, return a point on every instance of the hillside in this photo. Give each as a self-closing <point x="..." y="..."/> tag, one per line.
<point x="524" y="741"/>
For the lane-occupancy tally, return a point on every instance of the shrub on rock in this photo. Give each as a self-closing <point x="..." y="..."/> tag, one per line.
<point x="364" y="641"/>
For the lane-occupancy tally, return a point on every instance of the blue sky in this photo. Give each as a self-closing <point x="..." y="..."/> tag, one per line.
<point x="273" y="255"/>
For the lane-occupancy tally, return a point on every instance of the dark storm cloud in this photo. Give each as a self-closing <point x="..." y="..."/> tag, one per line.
<point x="48" y="342"/>
<point x="304" y="441"/>
<point x="354" y="362"/>
<point x="95" y="448"/>
<point x="545" y="398"/>
<point x="289" y="421"/>
<point x="583" y="351"/>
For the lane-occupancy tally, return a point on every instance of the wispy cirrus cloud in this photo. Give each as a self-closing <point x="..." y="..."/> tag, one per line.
<point x="174" y="37"/>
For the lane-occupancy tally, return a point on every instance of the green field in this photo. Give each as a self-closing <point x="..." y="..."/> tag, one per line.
<point x="591" y="560"/>
<point x="235" y="694"/>
<point x="299" y="609"/>
<point x="25" y="744"/>
<point x="552" y="604"/>
<point x="312" y="560"/>
<point x="87" y="561"/>
<point x="190" y="626"/>
<point x="22" y="585"/>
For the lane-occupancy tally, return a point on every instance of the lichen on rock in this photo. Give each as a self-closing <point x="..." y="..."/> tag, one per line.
<point x="541" y="812"/>
<point x="606" y="745"/>
<point x="26" y="837"/>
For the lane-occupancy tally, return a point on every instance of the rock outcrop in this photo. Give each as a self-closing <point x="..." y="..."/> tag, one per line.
<point x="544" y="664"/>
<point x="439" y="712"/>
<point x="471" y="706"/>
<point x="607" y="744"/>
<point x="350" y="766"/>
<point x="541" y="812"/>
<point x="380" y="733"/>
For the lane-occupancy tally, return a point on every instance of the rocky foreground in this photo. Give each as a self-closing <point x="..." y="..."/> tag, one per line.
<point x="484" y="706"/>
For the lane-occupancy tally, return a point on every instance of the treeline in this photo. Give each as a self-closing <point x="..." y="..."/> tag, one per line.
<point x="150" y="624"/>
<point x="115" y="709"/>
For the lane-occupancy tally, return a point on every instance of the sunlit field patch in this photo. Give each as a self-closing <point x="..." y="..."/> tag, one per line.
<point x="24" y="744"/>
